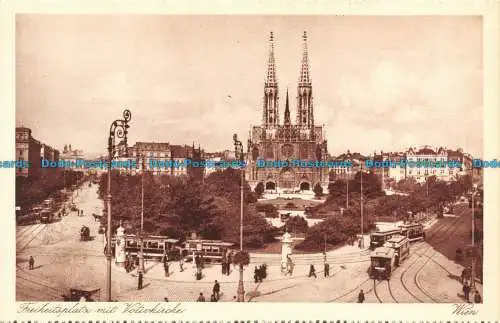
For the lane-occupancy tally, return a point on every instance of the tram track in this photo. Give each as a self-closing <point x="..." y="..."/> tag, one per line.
<point x="33" y="235"/>
<point x="388" y="291"/>
<point x="445" y="232"/>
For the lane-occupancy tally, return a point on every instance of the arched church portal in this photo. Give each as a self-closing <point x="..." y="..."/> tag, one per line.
<point x="305" y="186"/>
<point x="270" y="186"/>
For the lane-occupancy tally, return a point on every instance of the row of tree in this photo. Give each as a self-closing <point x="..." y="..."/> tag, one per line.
<point x="178" y="206"/>
<point x="32" y="190"/>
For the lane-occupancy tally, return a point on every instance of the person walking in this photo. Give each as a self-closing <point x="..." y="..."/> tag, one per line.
<point x="166" y="267"/>
<point x="31" y="263"/>
<point x="139" y="283"/>
<point x="181" y="264"/>
<point x="216" y="289"/>
<point x="466" y="290"/>
<point x="312" y="271"/>
<point x="361" y="296"/>
<point x="201" y="298"/>
<point x="327" y="270"/>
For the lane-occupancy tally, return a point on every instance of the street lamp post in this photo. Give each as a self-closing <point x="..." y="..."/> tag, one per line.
<point x="118" y="129"/>
<point x="473" y="229"/>
<point x="238" y="149"/>
<point x="141" y="238"/>
<point x="347" y="194"/>
<point x="362" y="241"/>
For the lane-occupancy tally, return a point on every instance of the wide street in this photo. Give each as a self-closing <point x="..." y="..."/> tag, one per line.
<point x="62" y="261"/>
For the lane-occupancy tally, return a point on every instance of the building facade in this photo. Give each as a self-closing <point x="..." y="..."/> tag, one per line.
<point x="276" y="141"/>
<point x="28" y="149"/>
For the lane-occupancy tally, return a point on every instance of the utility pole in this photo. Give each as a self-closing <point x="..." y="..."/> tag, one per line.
<point x="347" y="190"/>
<point x="473" y="227"/>
<point x="362" y="240"/>
<point x="141" y="239"/>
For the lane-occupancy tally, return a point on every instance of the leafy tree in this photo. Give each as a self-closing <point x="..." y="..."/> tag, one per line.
<point x="259" y="189"/>
<point x="296" y="224"/>
<point x="318" y="190"/>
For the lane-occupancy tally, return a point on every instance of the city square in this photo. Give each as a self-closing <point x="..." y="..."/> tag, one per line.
<point x="195" y="210"/>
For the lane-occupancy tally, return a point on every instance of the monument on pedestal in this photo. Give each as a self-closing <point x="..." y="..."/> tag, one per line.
<point x="120" y="247"/>
<point x="286" y="250"/>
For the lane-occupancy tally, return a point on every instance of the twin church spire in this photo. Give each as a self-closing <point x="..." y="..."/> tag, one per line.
<point x="304" y="92"/>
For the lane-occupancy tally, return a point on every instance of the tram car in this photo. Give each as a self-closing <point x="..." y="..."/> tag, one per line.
<point x="382" y="261"/>
<point x="154" y="247"/>
<point x="210" y="250"/>
<point x="46" y="216"/>
<point x="377" y="239"/>
<point x="401" y="246"/>
<point x="413" y="231"/>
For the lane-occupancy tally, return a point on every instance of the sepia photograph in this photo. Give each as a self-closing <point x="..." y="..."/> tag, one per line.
<point x="249" y="158"/>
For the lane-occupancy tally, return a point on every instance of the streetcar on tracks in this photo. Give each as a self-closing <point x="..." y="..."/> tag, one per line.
<point x="401" y="246"/>
<point x="154" y="247"/>
<point x="46" y="216"/>
<point x="210" y="250"/>
<point x="377" y="239"/>
<point x="413" y="231"/>
<point x="382" y="263"/>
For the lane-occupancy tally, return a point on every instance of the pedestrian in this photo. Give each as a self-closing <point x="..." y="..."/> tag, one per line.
<point x="223" y="267"/>
<point x="312" y="271"/>
<point x="477" y="298"/>
<point x="216" y="289"/>
<point x="213" y="298"/>
<point x="181" y="264"/>
<point x="463" y="275"/>
<point x="361" y="296"/>
<point x="139" y="284"/>
<point x="167" y="273"/>
<point x="127" y="265"/>
<point x="466" y="290"/>
<point x="201" y="298"/>
<point x="31" y="263"/>
<point x="327" y="270"/>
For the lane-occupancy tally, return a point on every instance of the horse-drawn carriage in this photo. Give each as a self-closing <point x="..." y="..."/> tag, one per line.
<point x="84" y="234"/>
<point x="78" y="295"/>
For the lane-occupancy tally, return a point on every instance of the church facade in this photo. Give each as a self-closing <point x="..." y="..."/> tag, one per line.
<point x="285" y="143"/>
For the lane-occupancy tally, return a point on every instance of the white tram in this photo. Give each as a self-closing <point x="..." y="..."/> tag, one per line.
<point x="382" y="261"/>
<point x="401" y="246"/>
<point x="413" y="231"/>
<point x="153" y="246"/>
<point x="211" y="250"/>
<point x="377" y="239"/>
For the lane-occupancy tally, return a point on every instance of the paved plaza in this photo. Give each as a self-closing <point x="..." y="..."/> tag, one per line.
<point x="62" y="261"/>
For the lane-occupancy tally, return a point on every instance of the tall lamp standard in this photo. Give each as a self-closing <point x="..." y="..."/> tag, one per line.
<point x="118" y="129"/>
<point x="347" y="192"/>
<point x="362" y="240"/>
<point x="141" y="238"/>
<point x="473" y="229"/>
<point x="238" y="150"/>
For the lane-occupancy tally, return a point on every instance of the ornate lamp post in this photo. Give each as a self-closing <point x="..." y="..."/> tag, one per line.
<point x="141" y="238"/>
<point x="362" y="240"/>
<point x="118" y="129"/>
<point x="238" y="150"/>
<point x="473" y="229"/>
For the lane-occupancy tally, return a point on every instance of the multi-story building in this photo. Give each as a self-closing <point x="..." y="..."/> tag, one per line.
<point x="28" y="149"/>
<point x="346" y="165"/>
<point x="274" y="141"/>
<point x="164" y="158"/>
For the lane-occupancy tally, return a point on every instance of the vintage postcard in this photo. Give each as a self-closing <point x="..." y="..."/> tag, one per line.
<point x="294" y="161"/>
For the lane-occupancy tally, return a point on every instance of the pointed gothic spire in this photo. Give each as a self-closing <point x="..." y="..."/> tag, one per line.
<point x="304" y="71"/>
<point x="271" y="64"/>
<point x="287" y="110"/>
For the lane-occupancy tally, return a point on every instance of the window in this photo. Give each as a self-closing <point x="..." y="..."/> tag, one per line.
<point x="21" y="152"/>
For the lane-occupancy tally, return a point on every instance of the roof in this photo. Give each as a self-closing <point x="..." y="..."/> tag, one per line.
<point x="383" y="252"/>
<point x="396" y="239"/>
<point x="411" y="225"/>
<point x="386" y="231"/>
<point x="178" y="151"/>
<point x="152" y="145"/>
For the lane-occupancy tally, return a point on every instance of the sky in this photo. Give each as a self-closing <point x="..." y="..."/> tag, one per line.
<point x="379" y="82"/>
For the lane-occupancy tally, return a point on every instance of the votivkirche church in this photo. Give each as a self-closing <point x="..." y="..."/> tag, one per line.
<point x="276" y="141"/>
